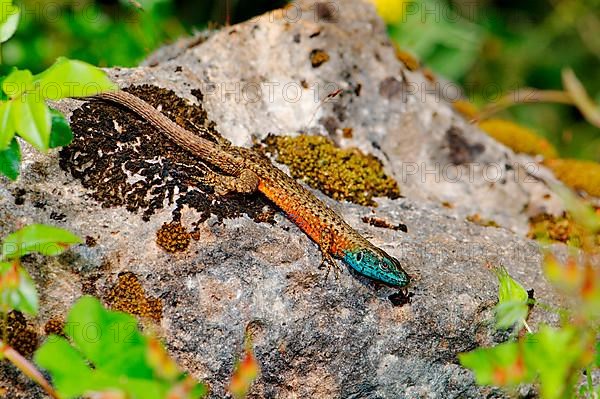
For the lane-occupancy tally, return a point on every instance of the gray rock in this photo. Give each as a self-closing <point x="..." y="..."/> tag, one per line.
<point x="313" y="337"/>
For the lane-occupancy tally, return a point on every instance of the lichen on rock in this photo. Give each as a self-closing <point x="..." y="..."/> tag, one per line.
<point x="342" y="174"/>
<point x="577" y="174"/>
<point x="519" y="138"/>
<point x="129" y="296"/>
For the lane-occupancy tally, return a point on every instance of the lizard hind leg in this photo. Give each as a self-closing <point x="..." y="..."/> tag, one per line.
<point x="245" y="183"/>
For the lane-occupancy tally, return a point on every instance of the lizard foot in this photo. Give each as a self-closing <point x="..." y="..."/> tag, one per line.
<point x="330" y="263"/>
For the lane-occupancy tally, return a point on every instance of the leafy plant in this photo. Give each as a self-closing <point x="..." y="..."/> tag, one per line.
<point x="246" y="371"/>
<point x="555" y="357"/>
<point x="24" y="112"/>
<point x="107" y="353"/>
<point x="17" y="290"/>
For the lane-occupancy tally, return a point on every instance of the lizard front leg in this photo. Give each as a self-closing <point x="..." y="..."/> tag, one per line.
<point x="328" y="260"/>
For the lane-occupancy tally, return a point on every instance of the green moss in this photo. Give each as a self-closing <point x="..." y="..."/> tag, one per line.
<point x="577" y="174"/>
<point x="342" y="174"/>
<point x="545" y="227"/>
<point x="519" y="138"/>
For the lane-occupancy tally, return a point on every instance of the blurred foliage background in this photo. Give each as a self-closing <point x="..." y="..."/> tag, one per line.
<point x="489" y="47"/>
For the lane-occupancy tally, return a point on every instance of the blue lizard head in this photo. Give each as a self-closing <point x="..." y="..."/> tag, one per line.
<point x="376" y="264"/>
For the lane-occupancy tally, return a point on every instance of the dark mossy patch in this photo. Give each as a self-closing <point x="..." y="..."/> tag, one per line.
<point x="55" y="326"/>
<point x="342" y="174"/>
<point x="125" y="161"/>
<point x="173" y="237"/>
<point x="21" y="333"/>
<point x="129" y="296"/>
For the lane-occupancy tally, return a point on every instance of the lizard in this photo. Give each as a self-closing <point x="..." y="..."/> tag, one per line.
<point x="246" y="171"/>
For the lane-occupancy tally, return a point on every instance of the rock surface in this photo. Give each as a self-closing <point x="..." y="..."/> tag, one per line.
<point x="313" y="337"/>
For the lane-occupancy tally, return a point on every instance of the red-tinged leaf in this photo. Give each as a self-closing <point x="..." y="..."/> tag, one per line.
<point x="557" y="355"/>
<point x="502" y="365"/>
<point x="589" y="288"/>
<point x="9" y="275"/>
<point x="17" y="290"/>
<point x="245" y="373"/>
<point x="567" y="276"/>
<point x="160" y="361"/>
<point x="188" y="389"/>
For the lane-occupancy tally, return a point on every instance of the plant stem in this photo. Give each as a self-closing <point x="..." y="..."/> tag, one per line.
<point x="590" y="383"/>
<point x="5" y="325"/>
<point x="28" y="369"/>
<point x="524" y="96"/>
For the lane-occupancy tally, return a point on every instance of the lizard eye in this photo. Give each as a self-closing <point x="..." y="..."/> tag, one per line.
<point x="359" y="256"/>
<point x="384" y="265"/>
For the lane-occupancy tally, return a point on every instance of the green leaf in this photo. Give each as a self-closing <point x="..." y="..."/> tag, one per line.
<point x="61" y="134"/>
<point x="3" y="96"/>
<point x="556" y="355"/>
<point x="70" y="372"/>
<point x="503" y="365"/>
<point x="509" y="313"/>
<point x="110" y="340"/>
<point x="10" y="160"/>
<point x="9" y="20"/>
<point x="32" y="120"/>
<point x="26" y="296"/>
<point x="509" y="289"/>
<point x="17" y="83"/>
<point x="7" y="127"/>
<point x="513" y="301"/>
<point x="72" y="78"/>
<point x="17" y="290"/>
<point x="46" y="240"/>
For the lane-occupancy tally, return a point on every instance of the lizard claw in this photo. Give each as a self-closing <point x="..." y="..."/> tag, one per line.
<point x="330" y="263"/>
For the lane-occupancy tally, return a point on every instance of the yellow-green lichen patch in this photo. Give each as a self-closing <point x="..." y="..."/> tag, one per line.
<point x="577" y="174"/>
<point x="173" y="237"/>
<point x="21" y="334"/>
<point x="519" y="138"/>
<point x="465" y="108"/>
<point x="129" y="296"/>
<point x="342" y="174"/>
<point x="409" y="60"/>
<point x="545" y="227"/>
